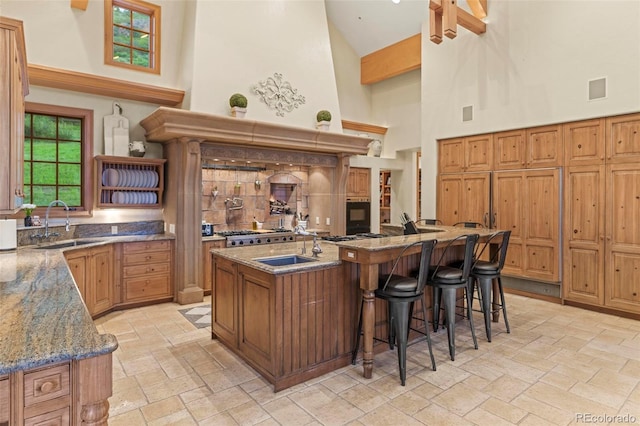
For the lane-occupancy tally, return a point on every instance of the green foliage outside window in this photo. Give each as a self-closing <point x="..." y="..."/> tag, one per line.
<point x="131" y="37"/>
<point x="52" y="159"/>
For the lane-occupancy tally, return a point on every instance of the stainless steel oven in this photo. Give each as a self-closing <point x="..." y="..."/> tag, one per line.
<point x="358" y="216"/>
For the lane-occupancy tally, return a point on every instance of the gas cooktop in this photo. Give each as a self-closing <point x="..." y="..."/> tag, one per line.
<point x="338" y="238"/>
<point x="240" y="238"/>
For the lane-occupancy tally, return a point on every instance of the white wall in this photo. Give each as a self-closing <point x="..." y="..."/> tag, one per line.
<point x="237" y="44"/>
<point x="531" y="67"/>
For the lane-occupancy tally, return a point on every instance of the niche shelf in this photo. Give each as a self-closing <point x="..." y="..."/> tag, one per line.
<point x="129" y="181"/>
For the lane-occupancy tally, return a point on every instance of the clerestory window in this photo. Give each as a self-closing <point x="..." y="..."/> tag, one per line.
<point x="132" y="29"/>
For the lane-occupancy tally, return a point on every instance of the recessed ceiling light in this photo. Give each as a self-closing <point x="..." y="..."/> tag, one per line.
<point x="395" y="1"/>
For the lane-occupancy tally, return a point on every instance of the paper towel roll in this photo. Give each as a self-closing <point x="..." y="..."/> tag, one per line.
<point x="8" y="234"/>
<point x="8" y="267"/>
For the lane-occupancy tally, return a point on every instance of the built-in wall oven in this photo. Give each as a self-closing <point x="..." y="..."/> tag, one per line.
<point x="358" y="215"/>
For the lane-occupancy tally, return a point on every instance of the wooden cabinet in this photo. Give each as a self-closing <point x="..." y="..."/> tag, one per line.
<point x="464" y="197"/>
<point x="623" y="138"/>
<point x="385" y="196"/>
<point x="4" y="400"/>
<point x="129" y="181"/>
<point x="92" y="270"/>
<point x="289" y="327"/>
<point x="469" y="154"/>
<point x="207" y="270"/>
<point x="224" y="301"/>
<point x="359" y="183"/>
<point x="69" y="393"/>
<point x="527" y="202"/>
<point x="14" y="86"/>
<point x="535" y="147"/>
<point x="147" y="271"/>
<point x="584" y="142"/>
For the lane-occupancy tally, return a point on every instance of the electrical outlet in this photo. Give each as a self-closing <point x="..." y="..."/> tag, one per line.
<point x="317" y="220"/>
<point x="328" y="221"/>
<point x="172" y="228"/>
<point x="114" y="230"/>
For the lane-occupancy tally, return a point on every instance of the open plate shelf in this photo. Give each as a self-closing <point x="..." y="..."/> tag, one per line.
<point x="129" y="181"/>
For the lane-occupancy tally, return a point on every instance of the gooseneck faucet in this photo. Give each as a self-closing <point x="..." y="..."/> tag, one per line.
<point x="46" y="221"/>
<point x="299" y="230"/>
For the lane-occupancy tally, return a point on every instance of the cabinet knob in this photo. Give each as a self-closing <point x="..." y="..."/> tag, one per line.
<point x="47" y="387"/>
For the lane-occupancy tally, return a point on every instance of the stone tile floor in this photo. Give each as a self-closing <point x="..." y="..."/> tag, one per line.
<point x="560" y="365"/>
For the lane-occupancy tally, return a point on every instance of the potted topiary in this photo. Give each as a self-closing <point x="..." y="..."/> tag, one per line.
<point x="323" y="118"/>
<point x="238" y="104"/>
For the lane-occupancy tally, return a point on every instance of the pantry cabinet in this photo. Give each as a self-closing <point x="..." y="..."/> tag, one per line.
<point x="469" y="154"/>
<point x="14" y="86"/>
<point x="601" y="231"/>
<point x="464" y="197"/>
<point x="527" y="202"/>
<point x="535" y="147"/>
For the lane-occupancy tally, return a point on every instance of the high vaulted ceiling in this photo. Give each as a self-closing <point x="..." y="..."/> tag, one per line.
<point x="370" y="25"/>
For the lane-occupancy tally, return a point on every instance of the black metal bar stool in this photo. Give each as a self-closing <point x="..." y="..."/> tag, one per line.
<point x="401" y="292"/>
<point x="485" y="272"/>
<point x="446" y="280"/>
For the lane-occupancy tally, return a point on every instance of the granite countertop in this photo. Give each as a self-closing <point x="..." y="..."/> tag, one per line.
<point x="438" y="232"/>
<point x="43" y="318"/>
<point x="246" y="254"/>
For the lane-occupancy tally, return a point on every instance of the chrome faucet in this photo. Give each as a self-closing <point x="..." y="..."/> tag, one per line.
<point x="46" y="221"/>
<point x="299" y="230"/>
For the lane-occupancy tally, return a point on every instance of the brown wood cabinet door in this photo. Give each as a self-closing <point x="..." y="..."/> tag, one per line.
<point x="584" y="210"/>
<point x="451" y="156"/>
<point x="544" y="147"/>
<point x="449" y="196"/>
<point x="508" y="205"/>
<point x="224" y="301"/>
<point x="100" y="290"/>
<point x="542" y="219"/>
<point x="478" y="153"/>
<point x="584" y="142"/>
<point x="623" y="138"/>
<point x="257" y="338"/>
<point x="623" y="237"/>
<point x="476" y="190"/>
<point x="77" y="266"/>
<point x="4" y="399"/>
<point x="509" y="150"/>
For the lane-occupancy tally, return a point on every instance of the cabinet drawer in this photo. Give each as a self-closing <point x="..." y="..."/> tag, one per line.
<point x="146" y="246"/>
<point x="4" y="399"/>
<point x="153" y="268"/>
<point x="53" y="418"/>
<point x="147" y="288"/>
<point x="149" y="257"/>
<point x="46" y="384"/>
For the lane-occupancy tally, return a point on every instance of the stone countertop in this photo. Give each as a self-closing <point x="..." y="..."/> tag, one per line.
<point x="245" y="255"/>
<point x="43" y="318"/>
<point x="438" y="232"/>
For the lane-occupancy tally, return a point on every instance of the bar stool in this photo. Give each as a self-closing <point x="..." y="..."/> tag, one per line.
<point x="446" y="280"/>
<point x="484" y="272"/>
<point x="401" y="292"/>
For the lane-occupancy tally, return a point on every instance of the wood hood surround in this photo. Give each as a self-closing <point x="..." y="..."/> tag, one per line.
<point x="182" y="131"/>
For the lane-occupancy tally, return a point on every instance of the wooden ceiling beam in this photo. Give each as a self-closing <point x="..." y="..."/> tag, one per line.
<point x="450" y="18"/>
<point x="396" y="59"/>
<point x="464" y="18"/>
<point x="79" y="4"/>
<point x="435" y="26"/>
<point x="478" y="8"/>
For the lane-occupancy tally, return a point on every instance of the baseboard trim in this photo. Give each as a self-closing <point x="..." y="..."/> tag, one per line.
<point x="533" y="295"/>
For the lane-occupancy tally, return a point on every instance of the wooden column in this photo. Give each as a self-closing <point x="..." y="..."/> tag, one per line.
<point x="93" y="377"/>
<point x="339" y="227"/>
<point x="183" y="210"/>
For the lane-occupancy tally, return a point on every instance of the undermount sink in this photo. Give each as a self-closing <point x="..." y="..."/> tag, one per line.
<point x="66" y="244"/>
<point x="290" y="259"/>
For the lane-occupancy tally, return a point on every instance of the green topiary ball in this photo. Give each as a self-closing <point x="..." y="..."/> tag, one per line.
<point x="238" y="100"/>
<point x="323" y="115"/>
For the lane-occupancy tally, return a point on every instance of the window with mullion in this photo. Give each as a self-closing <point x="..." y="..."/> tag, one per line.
<point x="133" y="34"/>
<point x="57" y="156"/>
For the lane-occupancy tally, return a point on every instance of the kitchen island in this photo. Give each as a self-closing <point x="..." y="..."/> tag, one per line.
<point x="55" y="367"/>
<point x="298" y="321"/>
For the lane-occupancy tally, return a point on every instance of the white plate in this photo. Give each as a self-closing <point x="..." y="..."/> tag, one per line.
<point x="117" y="198"/>
<point x="148" y="178"/>
<point x="154" y="198"/>
<point x="127" y="178"/>
<point x="134" y="178"/>
<point x="154" y="182"/>
<point x="111" y="177"/>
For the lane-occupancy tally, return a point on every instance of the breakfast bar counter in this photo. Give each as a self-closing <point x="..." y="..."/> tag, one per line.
<point x="369" y="254"/>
